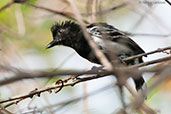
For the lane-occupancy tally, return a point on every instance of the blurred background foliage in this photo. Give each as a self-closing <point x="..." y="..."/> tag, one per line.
<point x="25" y="32"/>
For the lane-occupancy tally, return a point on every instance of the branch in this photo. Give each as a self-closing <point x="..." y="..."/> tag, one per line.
<point x="106" y="10"/>
<point x="168" y="2"/>
<point x="23" y="74"/>
<point x="152" y="62"/>
<point x="145" y="54"/>
<point x="62" y="13"/>
<point x="70" y="101"/>
<point x="7" y="5"/>
<point x="65" y="83"/>
<point x="145" y="34"/>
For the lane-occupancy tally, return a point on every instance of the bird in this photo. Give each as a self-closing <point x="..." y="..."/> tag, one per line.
<point x="110" y="40"/>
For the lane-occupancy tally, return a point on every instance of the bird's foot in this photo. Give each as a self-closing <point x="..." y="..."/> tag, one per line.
<point x="97" y="69"/>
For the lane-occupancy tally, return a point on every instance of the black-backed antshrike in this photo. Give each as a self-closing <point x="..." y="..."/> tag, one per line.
<point x="109" y="39"/>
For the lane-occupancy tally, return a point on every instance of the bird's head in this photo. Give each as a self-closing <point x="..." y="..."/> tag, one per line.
<point x="64" y="33"/>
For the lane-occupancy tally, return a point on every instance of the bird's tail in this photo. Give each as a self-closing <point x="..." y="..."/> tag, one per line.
<point x="139" y="82"/>
<point x="141" y="86"/>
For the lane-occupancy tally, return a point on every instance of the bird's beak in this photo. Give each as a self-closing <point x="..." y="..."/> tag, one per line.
<point x="51" y="44"/>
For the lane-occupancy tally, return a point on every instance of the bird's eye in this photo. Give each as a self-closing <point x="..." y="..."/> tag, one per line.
<point x="61" y="30"/>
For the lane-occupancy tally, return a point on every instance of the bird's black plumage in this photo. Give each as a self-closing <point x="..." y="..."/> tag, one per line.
<point x="108" y="38"/>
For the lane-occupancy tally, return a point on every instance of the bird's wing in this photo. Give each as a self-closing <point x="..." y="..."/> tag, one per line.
<point x="108" y="32"/>
<point x="130" y="43"/>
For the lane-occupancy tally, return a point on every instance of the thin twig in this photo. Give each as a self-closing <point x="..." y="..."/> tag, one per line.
<point x="65" y="103"/>
<point x="106" y="10"/>
<point x="139" y="100"/>
<point x="62" y="13"/>
<point x="145" y="34"/>
<point x="38" y="92"/>
<point x="4" y="111"/>
<point x="148" y="53"/>
<point x="151" y="62"/>
<point x="22" y="74"/>
<point x="7" y="5"/>
<point x="92" y="44"/>
<point x="168" y="2"/>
